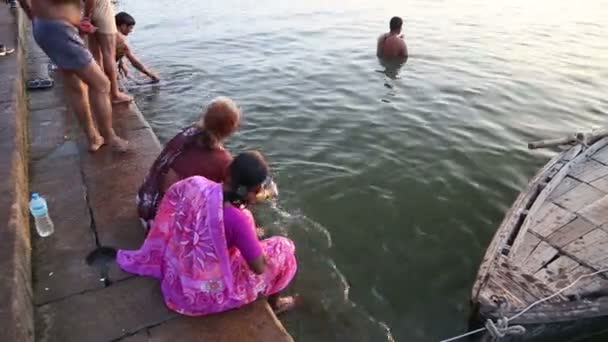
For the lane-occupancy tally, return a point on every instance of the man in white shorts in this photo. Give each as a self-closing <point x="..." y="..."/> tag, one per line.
<point x="102" y="43"/>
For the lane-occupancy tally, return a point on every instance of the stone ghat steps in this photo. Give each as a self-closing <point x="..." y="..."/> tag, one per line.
<point x="51" y="293"/>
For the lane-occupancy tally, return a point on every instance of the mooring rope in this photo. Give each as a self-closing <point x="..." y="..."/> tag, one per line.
<point x="501" y="328"/>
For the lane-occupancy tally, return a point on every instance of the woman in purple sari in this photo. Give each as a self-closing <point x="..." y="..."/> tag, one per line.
<point x="204" y="249"/>
<point x="195" y="151"/>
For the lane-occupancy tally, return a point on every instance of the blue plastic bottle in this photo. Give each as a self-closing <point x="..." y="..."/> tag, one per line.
<point x="40" y="211"/>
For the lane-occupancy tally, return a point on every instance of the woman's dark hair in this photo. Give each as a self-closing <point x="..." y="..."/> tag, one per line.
<point x="247" y="171"/>
<point x="124" y="18"/>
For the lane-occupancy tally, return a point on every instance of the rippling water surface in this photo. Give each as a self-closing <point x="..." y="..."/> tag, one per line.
<point x="393" y="180"/>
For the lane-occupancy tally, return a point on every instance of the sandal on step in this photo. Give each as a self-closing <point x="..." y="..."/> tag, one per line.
<point x="39" y="83"/>
<point x="5" y="51"/>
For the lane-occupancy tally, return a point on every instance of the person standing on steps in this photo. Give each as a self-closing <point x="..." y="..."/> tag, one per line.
<point x="54" y="26"/>
<point x="102" y="43"/>
<point x="391" y="44"/>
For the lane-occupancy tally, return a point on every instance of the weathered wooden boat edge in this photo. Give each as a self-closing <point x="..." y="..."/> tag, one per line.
<point x="514" y="215"/>
<point x="566" y="315"/>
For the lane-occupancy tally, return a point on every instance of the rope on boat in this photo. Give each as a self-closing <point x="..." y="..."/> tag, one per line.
<point x="501" y="328"/>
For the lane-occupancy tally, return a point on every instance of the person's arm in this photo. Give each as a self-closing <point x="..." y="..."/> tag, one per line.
<point x="122" y="68"/>
<point x="379" y="46"/>
<point x="247" y="242"/>
<point x="170" y="178"/>
<point x="89" y="8"/>
<point x="404" y="52"/>
<point x="257" y="265"/>
<point x="138" y="64"/>
<point x="27" y="8"/>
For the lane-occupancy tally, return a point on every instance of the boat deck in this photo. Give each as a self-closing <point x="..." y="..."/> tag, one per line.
<point x="556" y="231"/>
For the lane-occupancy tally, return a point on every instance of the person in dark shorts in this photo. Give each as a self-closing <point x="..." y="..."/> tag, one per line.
<point x="54" y="26"/>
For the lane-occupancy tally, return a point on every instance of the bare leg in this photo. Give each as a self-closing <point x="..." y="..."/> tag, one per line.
<point x="107" y="43"/>
<point x="95" y="49"/>
<point x="99" y="89"/>
<point x="76" y="95"/>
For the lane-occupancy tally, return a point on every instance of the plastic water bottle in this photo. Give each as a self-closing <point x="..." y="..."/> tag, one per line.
<point x="40" y="211"/>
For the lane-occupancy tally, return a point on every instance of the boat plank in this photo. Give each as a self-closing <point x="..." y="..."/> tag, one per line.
<point x="528" y="245"/>
<point x="505" y="283"/>
<point x="596" y="212"/>
<point x="588" y="171"/>
<point x="579" y="197"/>
<point x="585" y="285"/>
<point x="555" y="218"/>
<point x="601" y="156"/>
<point x="511" y="221"/>
<point x="566" y="185"/>
<point x="553" y="274"/>
<point x="570" y="232"/>
<point x="601" y="184"/>
<point x="542" y="254"/>
<point x="515" y="299"/>
<point x="590" y="248"/>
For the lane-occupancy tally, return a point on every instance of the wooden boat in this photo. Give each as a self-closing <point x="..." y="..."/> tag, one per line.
<point x="555" y="232"/>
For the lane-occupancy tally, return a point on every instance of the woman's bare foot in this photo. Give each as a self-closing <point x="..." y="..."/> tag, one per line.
<point x="96" y="143"/>
<point x="284" y="304"/>
<point x="119" y="144"/>
<point x="121" y="97"/>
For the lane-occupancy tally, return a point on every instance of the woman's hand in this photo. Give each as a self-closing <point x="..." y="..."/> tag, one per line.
<point x="260" y="232"/>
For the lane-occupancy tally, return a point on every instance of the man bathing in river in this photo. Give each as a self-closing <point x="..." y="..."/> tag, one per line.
<point x="54" y="24"/>
<point x="125" y="24"/>
<point x="391" y="44"/>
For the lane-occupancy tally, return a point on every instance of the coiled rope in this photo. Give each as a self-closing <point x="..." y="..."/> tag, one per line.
<point x="501" y="328"/>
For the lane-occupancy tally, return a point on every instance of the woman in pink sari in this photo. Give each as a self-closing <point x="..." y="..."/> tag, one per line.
<point x="204" y="249"/>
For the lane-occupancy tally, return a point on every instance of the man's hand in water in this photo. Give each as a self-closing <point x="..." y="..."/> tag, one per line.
<point x="154" y="77"/>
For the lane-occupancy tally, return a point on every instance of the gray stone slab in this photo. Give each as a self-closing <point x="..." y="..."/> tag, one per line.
<point x="139" y="337"/>
<point x="113" y="180"/>
<point x="47" y="131"/>
<point x="46" y="99"/>
<point x="60" y="269"/>
<point x="252" y="323"/>
<point x="118" y="311"/>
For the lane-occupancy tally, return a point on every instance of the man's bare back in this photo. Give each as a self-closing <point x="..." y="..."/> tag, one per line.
<point x="68" y="11"/>
<point x="391" y="45"/>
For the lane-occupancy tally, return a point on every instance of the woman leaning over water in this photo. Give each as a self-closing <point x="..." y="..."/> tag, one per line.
<point x="196" y="151"/>
<point x="204" y="248"/>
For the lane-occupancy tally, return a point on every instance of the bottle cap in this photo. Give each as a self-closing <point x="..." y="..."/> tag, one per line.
<point x="35" y="195"/>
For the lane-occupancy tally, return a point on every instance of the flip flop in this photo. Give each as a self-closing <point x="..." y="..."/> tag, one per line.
<point x="40" y="83"/>
<point x="5" y="51"/>
<point x="52" y="67"/>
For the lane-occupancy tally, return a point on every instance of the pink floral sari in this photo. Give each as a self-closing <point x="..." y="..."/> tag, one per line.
<point x="186" y="249"/>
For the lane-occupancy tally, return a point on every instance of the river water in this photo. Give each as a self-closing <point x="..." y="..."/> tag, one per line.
<point x="393" y="180"/>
